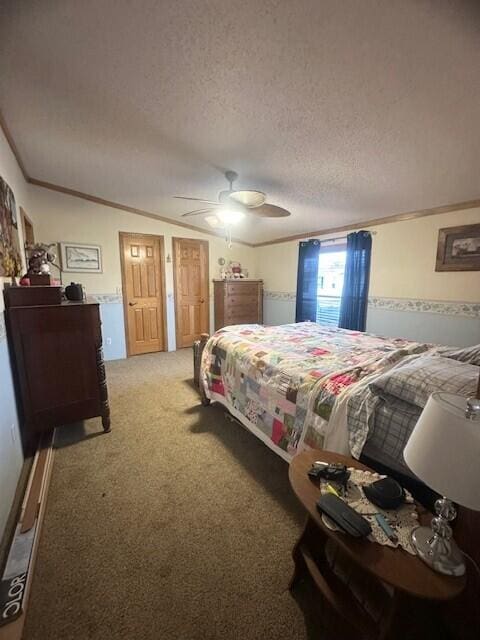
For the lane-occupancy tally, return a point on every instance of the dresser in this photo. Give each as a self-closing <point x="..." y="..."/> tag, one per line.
<point x="238" y="302"/>
<point x="57" y="359"/>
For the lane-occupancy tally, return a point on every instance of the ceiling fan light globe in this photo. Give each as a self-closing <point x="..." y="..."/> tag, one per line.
<point x="229" y="216"/>
<point x="249" y="198"/>
<point x="213" y="221"/>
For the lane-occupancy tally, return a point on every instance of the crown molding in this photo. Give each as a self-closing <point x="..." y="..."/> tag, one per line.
<point x="398" y="217"/>
<point x="13" y="147"/>
<point x="128" y="209"/>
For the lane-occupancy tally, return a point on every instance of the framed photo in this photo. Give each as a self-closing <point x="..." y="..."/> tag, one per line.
<point x="10" y="260"/>
<point x="459" y="248"/>
<point x="81" y="257"/>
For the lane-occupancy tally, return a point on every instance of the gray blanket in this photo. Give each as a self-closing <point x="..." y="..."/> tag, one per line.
<point x="393" y="403"/>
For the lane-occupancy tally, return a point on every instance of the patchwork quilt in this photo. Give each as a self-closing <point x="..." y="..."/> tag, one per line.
<point x="283" y="382"/>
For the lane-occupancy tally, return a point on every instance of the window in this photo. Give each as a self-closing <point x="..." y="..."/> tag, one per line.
<point x="331" y="270"/>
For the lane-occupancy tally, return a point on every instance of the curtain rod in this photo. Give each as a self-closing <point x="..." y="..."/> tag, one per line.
<point x="372" y="233"/>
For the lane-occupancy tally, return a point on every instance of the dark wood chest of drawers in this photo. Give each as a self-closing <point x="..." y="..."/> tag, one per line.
<point x="58" y="366"/>
<point x="238" y="302"/>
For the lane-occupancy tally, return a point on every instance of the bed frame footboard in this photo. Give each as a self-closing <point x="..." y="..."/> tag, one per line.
<point x="198" y="347"/>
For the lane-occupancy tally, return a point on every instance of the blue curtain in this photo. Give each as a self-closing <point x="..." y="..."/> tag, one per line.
<point x="307" y="281"/>
<point x="353" y="308"/>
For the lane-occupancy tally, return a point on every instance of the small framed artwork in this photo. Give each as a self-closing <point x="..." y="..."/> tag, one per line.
<point x="459" y="248"/>
<point x="81" y="257"/>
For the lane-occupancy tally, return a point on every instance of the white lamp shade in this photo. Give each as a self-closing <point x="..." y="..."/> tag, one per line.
<point x="444" y="449"/>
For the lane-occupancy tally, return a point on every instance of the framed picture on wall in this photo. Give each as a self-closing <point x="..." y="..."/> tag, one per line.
<point x="81" y="257"/>
<point x="459" y="248"/>
<point x="10" y="260"/>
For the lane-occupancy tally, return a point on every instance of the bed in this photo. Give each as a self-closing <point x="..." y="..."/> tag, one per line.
<point x="303" y="385"/>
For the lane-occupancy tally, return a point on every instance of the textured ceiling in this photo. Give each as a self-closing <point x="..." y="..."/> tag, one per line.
<point x="342" y="111"/>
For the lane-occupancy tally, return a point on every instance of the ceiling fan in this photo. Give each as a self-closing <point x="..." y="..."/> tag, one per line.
<point x="232" y="205"/>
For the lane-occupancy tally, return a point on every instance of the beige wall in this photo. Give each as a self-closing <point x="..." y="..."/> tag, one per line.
<point x="403" y="261"/>
<point x="60" y="217"/>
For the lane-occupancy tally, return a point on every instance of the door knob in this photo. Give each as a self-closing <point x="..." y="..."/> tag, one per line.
<point x="202" y="300"/>
<point x="132" y="304"/>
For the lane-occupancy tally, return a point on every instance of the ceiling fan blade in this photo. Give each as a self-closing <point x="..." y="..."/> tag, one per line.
<point x="196" y="212"/>
<point x="270" y="211"/>
<point x="249" y="198"/>
<point x="196" y="200"/>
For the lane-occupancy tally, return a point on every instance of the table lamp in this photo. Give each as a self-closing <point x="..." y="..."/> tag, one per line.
<point x="444" y="452"/>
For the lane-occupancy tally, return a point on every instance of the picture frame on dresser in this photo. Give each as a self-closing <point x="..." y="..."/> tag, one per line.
<point x="459" y="248"/>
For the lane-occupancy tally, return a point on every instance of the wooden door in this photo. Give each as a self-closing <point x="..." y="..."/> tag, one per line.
<point x="143" y="281"/>
<point x="28" y="234"/>
<point x="190" y="275"/>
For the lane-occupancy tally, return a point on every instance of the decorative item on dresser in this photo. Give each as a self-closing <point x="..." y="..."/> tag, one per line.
<point x="58" y="364"/>
<point x="238" y="302"/>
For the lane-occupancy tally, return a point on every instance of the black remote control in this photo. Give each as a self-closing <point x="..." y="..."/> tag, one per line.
<point x="343" y="515"/>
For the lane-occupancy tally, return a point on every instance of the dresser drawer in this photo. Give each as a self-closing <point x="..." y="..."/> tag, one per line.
<point x="242" y="289"/>
<point x="242" y="319"/>
<point x="241" y="301"/>
<point x="250" y="310"/>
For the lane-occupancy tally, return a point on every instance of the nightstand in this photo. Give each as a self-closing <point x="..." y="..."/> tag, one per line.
<point x="369" y="585"/>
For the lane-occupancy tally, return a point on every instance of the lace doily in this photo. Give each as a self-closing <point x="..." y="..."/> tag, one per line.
<point x="402" y="520"/>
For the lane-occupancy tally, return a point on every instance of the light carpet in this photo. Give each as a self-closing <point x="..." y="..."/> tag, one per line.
<point x="176" y="525"/>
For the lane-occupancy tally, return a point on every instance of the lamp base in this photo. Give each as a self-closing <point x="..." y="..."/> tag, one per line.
<point x="442" y="555"/>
